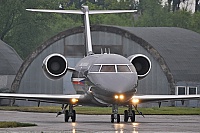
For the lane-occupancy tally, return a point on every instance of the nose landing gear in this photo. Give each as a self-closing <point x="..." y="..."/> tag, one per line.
<point x="115" y="115"/>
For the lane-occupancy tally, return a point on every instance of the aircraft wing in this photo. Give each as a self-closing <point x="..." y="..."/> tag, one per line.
<point x="151" y="98"/>
<point x="42" y="97"/>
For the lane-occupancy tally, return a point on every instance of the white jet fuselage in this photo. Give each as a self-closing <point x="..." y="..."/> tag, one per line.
<point x="109" y="78"/>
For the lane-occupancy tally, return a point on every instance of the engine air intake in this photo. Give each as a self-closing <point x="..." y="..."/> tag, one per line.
<point x="55" y="66"/>
<point x="142" y="64"/>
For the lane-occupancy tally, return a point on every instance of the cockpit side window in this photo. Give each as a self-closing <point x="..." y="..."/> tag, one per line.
<point x="108" y="68"/>
<point x="95" y="68"/>
<point x="123" y="68"/>
<point x="132" y="68"/>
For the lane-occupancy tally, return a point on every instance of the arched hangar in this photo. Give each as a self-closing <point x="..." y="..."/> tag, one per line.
<point x="10" y="63"/>
<point x="174" y="53"/>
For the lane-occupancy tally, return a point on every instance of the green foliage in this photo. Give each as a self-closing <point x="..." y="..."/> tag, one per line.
<point x="195" y="22"/>
<point x="24" y="30"/>
<point x="155" y="15"/>
<point x="21" y="29"/>
<point x="5" y="124"/>
<point x="107" y="110"/>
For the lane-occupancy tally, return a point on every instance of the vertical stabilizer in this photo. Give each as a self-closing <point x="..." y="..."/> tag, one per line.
<point x="88" y="38"/>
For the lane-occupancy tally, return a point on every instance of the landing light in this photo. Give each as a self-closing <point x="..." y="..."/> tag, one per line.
<point x="116" y="96"/>
<point x="74" y="100"/>
<point x="135" y="101"/>
<point x="121" y="97"/>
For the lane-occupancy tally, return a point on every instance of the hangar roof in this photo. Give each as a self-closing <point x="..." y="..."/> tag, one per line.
<point x="175" y="49"/>
<point x="179" y="47"/>
<point x="10" y="60"/>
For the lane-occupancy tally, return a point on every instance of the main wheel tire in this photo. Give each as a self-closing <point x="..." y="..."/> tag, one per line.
<point x="118" y="118"/>
<point x="112" y="118"/>
<point x="133" y="116"/>
<point x="73" y="117"/>
<point x="66" y="115"/>
<point x="125" y="116"/>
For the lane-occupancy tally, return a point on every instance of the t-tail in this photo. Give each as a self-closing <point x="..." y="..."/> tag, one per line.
<point x="85" y="11"/>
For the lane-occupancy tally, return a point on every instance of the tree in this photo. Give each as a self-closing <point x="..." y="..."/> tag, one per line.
<point x="176" y="5"/>
<point x="194" y="22"/>
<point x="153" y="15"/>
<point x="24" y="30"/>
<point x="9" y="11"/>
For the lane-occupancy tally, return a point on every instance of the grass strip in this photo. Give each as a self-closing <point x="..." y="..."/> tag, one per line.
<point x="107" y="110"/>
<point x="4" y="124"/>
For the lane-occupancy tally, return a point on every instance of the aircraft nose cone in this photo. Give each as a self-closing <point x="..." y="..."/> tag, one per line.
<point x="115" y="82"/>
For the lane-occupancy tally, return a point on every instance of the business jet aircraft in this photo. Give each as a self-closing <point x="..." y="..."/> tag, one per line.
<point x="100" y="79"/>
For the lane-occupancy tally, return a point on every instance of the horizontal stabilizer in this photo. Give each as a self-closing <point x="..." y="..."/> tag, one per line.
<point x="81" y="12"/>
<point x="57" y="11"/>
<point x="110" y="11"/>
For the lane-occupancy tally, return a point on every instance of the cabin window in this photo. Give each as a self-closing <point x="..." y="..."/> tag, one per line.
<point x="123" y="68"/>
<point x="108" y="68"/>
<point x="95" y="68"/>
<point x="181" y="90"/>
<point x="192" y="90"/>
<point x="186" y="90"/>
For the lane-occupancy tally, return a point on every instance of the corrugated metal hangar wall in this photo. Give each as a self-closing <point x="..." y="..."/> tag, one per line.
<point x="10" y="63"/>
<point x="70" y="43"/>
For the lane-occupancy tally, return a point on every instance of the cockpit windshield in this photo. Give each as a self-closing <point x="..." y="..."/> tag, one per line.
<point x="108" y="68"/>
<point x="123" y="68"/>
<point x="95" y="68"/>
<point x="132" y="68"/>
<point x="116" y="68"/>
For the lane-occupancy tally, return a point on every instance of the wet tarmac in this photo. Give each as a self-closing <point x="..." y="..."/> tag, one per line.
<point x="48" y="122"/>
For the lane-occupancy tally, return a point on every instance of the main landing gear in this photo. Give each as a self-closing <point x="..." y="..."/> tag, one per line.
<point x="71" y="113"/>
<point x="130" y="113"/>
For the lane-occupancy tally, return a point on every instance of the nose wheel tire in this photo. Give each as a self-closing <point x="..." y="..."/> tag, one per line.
<point x="118" y="118"/>
<point x="113" y="118"/>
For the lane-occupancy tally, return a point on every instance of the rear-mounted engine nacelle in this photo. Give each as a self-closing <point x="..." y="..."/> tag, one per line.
<point x="55" y="66"/>
<point x="142" y="64"/>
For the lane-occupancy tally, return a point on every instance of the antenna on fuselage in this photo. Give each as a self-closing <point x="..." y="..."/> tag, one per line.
<point x="105" y="51"/>
<point x="101" y="51"/>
